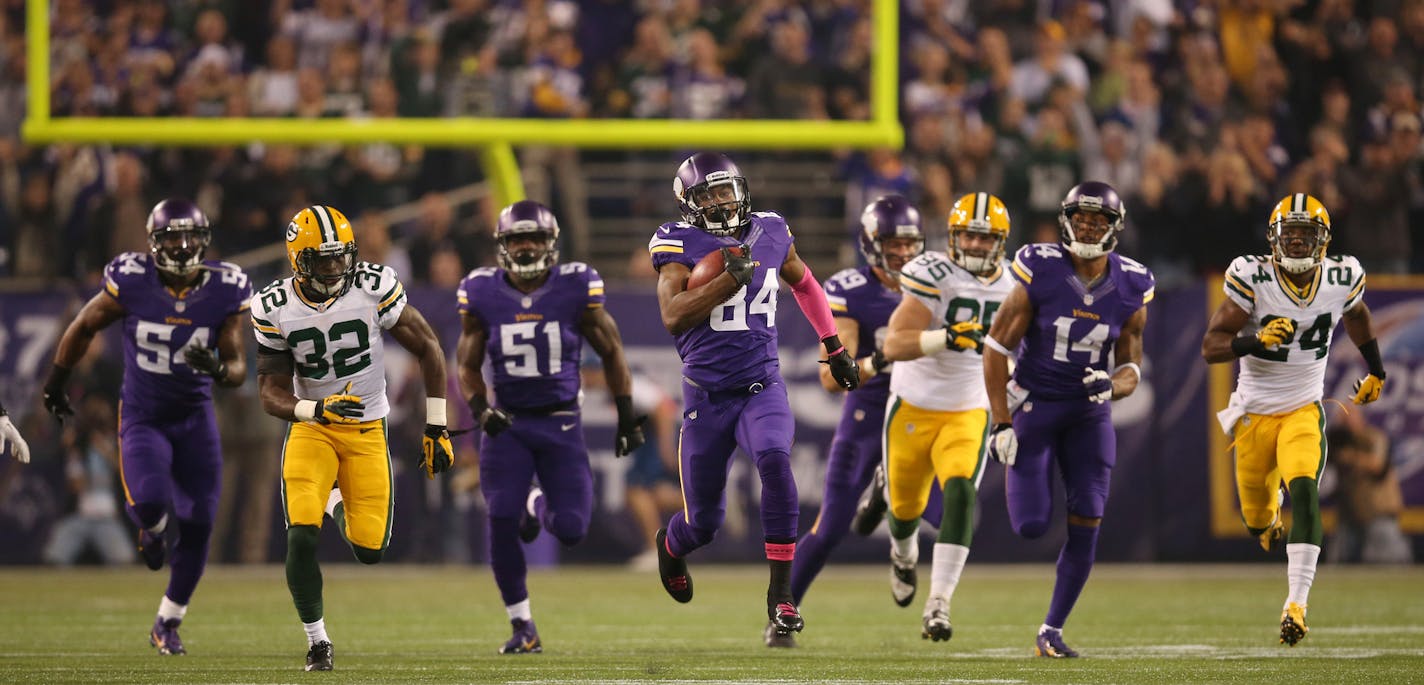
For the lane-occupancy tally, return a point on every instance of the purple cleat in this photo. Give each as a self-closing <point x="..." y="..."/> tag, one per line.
<point x="151" y="548"/>
<point x="164" y="636"/>
<point x="1050" y="644"/>
<point x="525" y="639"/>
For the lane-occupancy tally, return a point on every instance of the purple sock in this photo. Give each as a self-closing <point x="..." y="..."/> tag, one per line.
<point x="507" y="559"/>
<point x="188" y="559"/>
<point x="816" y="544"/>
<point x="1075" y="562"/>
<point x="779" y="503"/>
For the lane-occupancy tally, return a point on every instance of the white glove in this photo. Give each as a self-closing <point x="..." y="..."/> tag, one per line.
<point x="1017" y="394"/>
<point x="1098" y="384"/>
<point x="1004" y="444"/>
<point x="11" y="436"/>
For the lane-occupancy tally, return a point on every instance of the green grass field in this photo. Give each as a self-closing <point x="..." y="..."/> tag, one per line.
<point x="405" y="624"/>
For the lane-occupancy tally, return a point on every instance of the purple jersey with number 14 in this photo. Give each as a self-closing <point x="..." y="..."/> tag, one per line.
<point x="1074" y="326"/>
<point x="159" y="324"/>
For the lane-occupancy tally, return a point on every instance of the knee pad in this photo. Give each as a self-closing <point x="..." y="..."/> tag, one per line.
<point x="148" y="514"/>
<point x="366" y="555"/>
<point x="569" y="528"/>
<point x="301" y="541"/>
<point x="194" y="533"/>
<point x="1031" y="529"/>
<point x="702" y="536"/>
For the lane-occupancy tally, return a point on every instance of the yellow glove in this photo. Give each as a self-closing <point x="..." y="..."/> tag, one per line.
<point x="342" y="407"/>
<point x="1368" y="389"/>
<point x="1276" y="332"/>
<point x="966" y="335"/>
<point x="436" y="453"/>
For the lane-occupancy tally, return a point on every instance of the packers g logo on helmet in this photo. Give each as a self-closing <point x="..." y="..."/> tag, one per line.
<point x="983" y="214"/>
<point x="1299" y="209"/>
<point x="321" y="247"/>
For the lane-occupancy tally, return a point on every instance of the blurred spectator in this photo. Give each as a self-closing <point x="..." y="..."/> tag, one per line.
<point x="373" y="235"/>
<point x="1051" y="62"/>
<point x="318" y="29"/>
<point x="1367" y="494"/>
<point x="1376" y="221"/>
<point x="272" y="88"/>
<point x="784" y="85"/>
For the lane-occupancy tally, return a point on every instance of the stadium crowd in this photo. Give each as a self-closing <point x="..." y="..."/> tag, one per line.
<point x="1200" y="112"/>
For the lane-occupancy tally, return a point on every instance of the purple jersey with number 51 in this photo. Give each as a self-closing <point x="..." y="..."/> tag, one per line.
<point x="1074" y="326"/>
<point x="736" y="345"/>
<point x="160" y="323"/>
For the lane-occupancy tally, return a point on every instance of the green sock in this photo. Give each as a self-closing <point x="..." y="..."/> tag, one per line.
<point x="957" y="522"/>
<point x="902" y="529"/>
<point x="303" y="572"/>
<point x="1305" y="511"/>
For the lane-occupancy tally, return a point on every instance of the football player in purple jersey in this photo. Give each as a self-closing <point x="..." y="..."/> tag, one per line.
<point x="862" y="300"/>
<point x="530" y="316"/>
<point x="733" y="394"/>
<point x="184" y="320"/>
<point x="1079" y="309"/>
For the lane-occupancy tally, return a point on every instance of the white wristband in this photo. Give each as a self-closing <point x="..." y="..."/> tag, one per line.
<point x="866" y="367"/>
<point x="934" y="341"/>
<point x="305" y="410"/>
<point x="1129" y="365"/>
<point x="435" y="411"/>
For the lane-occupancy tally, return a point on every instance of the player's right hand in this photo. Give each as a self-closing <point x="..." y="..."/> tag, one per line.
<point x="1276" y="332"/>
<point x="436" y="453"/>
<point x="342" y="407"/>
<point x="9" y="435"/>
<point x="965" y="335"/>
<point x="495" y="421"/>
<point x="741" y="268"/>
<point x="56" y="402"/>
<point x="1098" y="383"/>
<point x="1004" y="444"/>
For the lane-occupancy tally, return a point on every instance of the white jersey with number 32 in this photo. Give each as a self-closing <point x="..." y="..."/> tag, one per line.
<point x="1293" y="375"/>
<point x="338" y="342"/>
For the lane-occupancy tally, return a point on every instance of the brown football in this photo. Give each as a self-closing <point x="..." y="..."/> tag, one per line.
<point x="709" y="268"/>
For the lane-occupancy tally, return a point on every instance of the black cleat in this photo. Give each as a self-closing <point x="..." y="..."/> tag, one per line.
<point x="151" y="548"/>
<point x="525" y="639"/>
<point x="903" y="581"/>
<point x="785" y="619"/>
<point x="774" y="638"/>
<point x="529" y="520"/>
<point x="319" y="657"/>
<point x="871" y="508"/>
<point x="673" y="570"/>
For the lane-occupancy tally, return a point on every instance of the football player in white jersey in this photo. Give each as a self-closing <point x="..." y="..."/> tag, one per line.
<point x="1278" y="317"/>
<point x="321" y="330"/>
<point x="937" y="420"/>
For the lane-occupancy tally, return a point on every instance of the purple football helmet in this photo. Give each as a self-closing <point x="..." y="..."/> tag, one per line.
<point x="527" y="219"/>
<point x="889" y="216"/>
<point x="178" y="234"/>
<point x="1091" y="197"/>
<point x="712" y="193"/>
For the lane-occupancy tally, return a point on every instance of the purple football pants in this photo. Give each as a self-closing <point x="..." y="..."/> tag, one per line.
<point x="713" y="425"/>
<point x="1075" y="435"/>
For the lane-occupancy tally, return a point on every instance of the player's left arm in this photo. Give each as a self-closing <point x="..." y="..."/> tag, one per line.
<point x="414" y="333"/>
<point x="598" y="327"/>
<point x="229" y="367"/>
<point x="849" y="331"/>
<point x="1360" y="328"/>
<point x="1127" y="355"/>
<point x="812" y="300"/>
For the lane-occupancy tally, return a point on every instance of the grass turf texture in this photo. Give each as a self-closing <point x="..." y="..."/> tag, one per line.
<point x="1134" y="624"/>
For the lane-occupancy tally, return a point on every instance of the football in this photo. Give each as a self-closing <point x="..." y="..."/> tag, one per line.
<point x="709" y="268"/>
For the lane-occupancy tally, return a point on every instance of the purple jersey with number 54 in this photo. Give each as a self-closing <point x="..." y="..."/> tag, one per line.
<point x="736" y="345"/>
<point x="159" y="324"/>
<point x="1074" y="326"/>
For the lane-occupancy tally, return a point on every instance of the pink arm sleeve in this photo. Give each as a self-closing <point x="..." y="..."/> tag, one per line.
<point x="812" y="300"/>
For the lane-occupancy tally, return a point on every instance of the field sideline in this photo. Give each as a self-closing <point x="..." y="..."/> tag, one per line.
<point x="1134" y="624"/>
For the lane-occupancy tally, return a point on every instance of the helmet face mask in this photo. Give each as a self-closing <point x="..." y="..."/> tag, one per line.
<point x="891" y="233"/>
<point x="1090" y="219"/>
<point x="178" y="235"/>
<point x="527" y="234"/>
<point x="1299" y="233"/>
<point x="978" y="233"/>
<point x="321" y="248"/>
<point x="712" y="193"/>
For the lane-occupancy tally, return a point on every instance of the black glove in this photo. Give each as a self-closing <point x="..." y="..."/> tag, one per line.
<point x="878" y="362"/>
<point x="630" y="427"/>
<point x="741" y="268"/>
<point x="843" y="368"/>
<point x="202" y="360"/>
<point x="56" y="401"/>
<point x="436" y="454"/>
<point x="492" y="419"/>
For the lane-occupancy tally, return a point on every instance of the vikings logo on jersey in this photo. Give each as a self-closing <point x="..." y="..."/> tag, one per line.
<point x="159" y="324"/>
<point x="1074" y="326"/>
<point x="737" y="344"/>
<point x="535" y="342"/>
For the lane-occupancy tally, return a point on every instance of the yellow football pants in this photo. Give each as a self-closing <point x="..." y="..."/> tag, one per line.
<point x="1271" y="448"/>
<point x="924" y="444"/>
<point x="358" y="459"/>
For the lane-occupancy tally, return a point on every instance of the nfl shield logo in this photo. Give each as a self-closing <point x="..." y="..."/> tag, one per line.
<point x="180" y="305"/>
<point x="526" y="302"/>
<point x="1088" y="300"/>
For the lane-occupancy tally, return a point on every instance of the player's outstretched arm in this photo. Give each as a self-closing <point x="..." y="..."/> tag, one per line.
<point x="100" y="311"/>
<point x="598" y="327"/>
<point x="848" y="330"/>
<point x="1010" y="325"/>
<point x="812" y="301"/>
<point x="470" y="356"/>
<point x="1223" y="342"/>
<point x="1127" y="355"/>
<point x="1360" y="328"/>
<point x="682" y="308"/>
